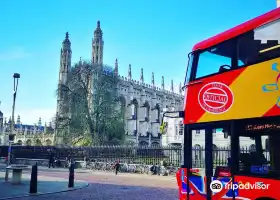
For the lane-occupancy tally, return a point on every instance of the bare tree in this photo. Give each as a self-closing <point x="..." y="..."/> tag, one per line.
<point x="91" y="98"/>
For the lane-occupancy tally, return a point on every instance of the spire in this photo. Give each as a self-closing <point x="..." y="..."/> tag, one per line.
<point x="97" y="46"/>
<point x="45" y="128"/>
<point x="153" y="79"/>
<point x="180" y="88"/>
<point x="162" y="82"/>
<point x="65" y="54"/>
<point x="40" y="122"/>
<point x="142" y="76"/>
<point x="116" y="70"/>
<point x="172" y="86"/>
<point x="129" y="72"/>
<point x="98" y="32"/>
<point x="18" y="120"/>
<point x="66" y="44"/>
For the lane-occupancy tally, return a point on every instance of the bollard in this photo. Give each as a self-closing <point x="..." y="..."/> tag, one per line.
<point x="71" y="175"/>
<point x="34" y="179"/>
<point x="7" y="175"/>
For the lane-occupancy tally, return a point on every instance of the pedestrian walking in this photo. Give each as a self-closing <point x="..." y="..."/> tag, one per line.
<point x="69" y="161"/>
<point x="12" y="159"/>
<point x="117" y="167"/>
<point x="51" y="160"/>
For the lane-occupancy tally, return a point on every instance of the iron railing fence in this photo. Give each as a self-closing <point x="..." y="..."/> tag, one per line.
<point x="130" y="154"/>
<point x="171" y="155"/>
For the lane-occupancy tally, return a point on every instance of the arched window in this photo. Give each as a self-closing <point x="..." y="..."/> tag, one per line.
<point x="48" y="142"/>
<point x="147" y="110"/>
<point x="28" y="142"/>
<point x="122" y="103"/>
<point x="38" y="142"/>
<point x="157" y="109"/>
<point x="134" y="109"/>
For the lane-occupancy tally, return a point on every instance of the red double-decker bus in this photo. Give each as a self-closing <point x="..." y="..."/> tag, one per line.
<point x="232" y="84"/>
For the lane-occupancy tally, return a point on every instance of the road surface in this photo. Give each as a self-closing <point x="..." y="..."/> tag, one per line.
<point x="106" y="186"/>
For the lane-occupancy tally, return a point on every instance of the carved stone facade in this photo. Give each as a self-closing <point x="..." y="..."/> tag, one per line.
<point x="28" y="135"/>
<point x="143" y="103"/>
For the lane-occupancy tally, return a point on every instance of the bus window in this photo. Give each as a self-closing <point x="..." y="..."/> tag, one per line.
<point x="221" y="153"/>
<point x="260" y="44"/>
<point x="255" y="159"/>
<point x="189" y="67"/>
<point x="198" y="151"/>
<point x="216" y="59"/>
<point x="251" y="153"/>
<point x="274" y="151"/>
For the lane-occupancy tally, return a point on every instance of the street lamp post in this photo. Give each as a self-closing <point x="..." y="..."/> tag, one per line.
<point x="16" y="76"/>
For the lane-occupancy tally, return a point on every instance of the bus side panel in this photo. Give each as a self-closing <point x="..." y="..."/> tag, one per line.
<point x="271" y="191"/>
<point x="247" y="92"/>
<point x="198" y="187"/>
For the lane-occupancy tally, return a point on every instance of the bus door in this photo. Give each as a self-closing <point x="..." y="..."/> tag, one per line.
<point x="218" y="160"/>
<point x="208" y="163"/>
<point x="198" y="151"/>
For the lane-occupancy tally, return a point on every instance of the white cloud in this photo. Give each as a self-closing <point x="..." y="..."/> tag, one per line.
<point x="15" y="53"/>
<point x="32" y="116"/>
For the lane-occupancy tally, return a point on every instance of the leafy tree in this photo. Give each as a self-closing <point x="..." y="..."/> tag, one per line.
<point x="93" y="111"/>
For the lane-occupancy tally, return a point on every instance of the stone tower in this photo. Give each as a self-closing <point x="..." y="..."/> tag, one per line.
<point x="97" y="59"/>
<point x="97" y="45"/>
<point x="65" y="66"/>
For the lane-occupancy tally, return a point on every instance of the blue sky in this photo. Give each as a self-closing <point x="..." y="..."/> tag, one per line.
<point x="152" y="34"/>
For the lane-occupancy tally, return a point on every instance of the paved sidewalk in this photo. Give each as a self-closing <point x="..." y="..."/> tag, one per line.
<point x="107" y="186"/>
<point x="42" y="168"/>
<point x="46" y="185"/>
<point x="96" y="172"/>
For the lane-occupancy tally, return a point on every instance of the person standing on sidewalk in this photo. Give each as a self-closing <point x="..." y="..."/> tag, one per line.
<point x="51" y="160"/>
<point x="117" y="167"/>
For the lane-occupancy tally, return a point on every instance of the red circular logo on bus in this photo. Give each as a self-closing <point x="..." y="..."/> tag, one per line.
<point x="215" y="98"/>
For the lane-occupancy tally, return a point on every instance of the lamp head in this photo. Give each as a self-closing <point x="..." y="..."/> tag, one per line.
<point x="16" y="75"/>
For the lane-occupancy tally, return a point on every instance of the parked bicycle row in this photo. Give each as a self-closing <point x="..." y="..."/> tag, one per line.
<point x="131" y="168"/>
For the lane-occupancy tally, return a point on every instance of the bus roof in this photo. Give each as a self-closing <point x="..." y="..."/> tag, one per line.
<point x="240" y="29"/>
